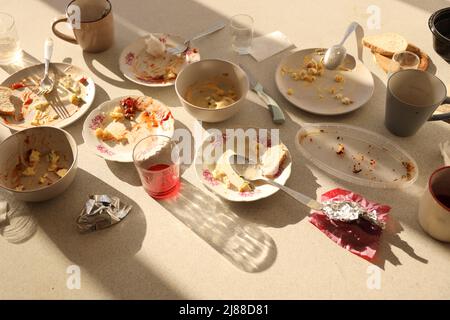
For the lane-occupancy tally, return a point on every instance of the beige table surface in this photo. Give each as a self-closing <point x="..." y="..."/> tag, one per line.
<point x="155" y="253"/>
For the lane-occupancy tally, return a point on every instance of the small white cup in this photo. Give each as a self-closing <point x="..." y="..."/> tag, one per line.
<point x="434" y="210"/>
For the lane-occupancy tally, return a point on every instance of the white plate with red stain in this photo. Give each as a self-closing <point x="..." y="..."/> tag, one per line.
<point x="218" y="143"/>
<point x="140" y="67"/>
<point x="61" y="111"/>
<point x="149" y="117"/>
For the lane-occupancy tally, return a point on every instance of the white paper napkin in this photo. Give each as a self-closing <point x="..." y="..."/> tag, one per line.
<point x="445" y="151"/>
<point x="267" y="45"/>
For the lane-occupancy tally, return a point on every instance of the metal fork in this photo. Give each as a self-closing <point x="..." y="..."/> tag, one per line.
<point x="46" y="84"/>
<point x="187" y="44"/>
<point x="58" y="106"/>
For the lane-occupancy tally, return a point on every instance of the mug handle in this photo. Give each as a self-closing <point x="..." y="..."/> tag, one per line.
<point x="442" y="116"/>
<point x="61" y="35"/>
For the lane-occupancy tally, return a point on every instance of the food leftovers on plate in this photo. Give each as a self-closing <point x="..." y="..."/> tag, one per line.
<point x="36" y="169"/>
<point x="270" y="159"/>
<point x="313" y="69"/>
<point x="153" y="63"/>
<point x="215" y="93"/>
<point x="132" y="119"/>
<point x="21" y="103"/>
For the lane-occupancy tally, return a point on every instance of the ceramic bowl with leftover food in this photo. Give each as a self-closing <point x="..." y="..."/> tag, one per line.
<point x="212" y="90"/>
<point x="38" y="164"/>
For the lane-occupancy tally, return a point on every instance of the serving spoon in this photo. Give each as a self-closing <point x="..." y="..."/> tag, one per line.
<point x="341" y="210"/>
<point x="335" y="55"/>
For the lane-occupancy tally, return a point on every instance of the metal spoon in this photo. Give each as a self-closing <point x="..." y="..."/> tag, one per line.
<point x="46" y="84"/>
<point x="252" y="171"/>
<point x="341" y="210"/>
<point x="187" y="44"/>
<point x="335" y="55"/>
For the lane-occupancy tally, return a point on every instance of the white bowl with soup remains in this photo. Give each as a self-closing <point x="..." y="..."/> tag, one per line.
<point x="212" y="90"/>
<point x="38" y="164"/>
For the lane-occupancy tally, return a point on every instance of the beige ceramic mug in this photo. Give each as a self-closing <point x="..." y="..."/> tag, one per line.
<point x="92" y="24"/>
<point x="434" y="207"/>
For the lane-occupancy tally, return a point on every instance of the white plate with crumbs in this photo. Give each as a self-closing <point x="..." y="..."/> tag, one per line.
<point x="357" y="155"/>
<point x="303" y="80"/>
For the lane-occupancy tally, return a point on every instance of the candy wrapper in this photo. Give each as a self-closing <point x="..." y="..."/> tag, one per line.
<point x="360" y="236"/>
<point x="101" y="211"/>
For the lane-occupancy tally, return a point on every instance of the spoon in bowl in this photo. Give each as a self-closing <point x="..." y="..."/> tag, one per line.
<point x="335" y="55"/>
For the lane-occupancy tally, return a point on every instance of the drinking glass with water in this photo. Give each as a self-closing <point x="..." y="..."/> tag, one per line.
<point x="9" y="40"/>
<point x="241" y="27"/>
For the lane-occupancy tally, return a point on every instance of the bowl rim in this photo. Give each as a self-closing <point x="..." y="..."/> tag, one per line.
<point x="432" y="25"/>
<point x="75" y="157"/>
<point x="243" y="96"/>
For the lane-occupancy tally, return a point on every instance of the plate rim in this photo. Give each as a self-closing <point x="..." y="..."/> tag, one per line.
<point x="286" y="96"/>
<point x="76" y="116"/>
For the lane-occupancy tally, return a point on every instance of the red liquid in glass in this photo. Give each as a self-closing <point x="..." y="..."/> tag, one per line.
<point x="161" y="180"/>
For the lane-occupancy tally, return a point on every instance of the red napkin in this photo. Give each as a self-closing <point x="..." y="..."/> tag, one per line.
<point x="361" y="237"/>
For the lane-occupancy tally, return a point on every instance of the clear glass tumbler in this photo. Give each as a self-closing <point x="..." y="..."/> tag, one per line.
<point x="157" y="160"/>
<point x="9" y="40"/>
<point x="404" y="60"/>
<point x="241" y="27"/>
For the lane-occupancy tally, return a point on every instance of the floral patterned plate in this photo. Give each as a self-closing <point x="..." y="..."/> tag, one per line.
<point x="142" y="68"/>
<point x="217" y="143"/>
<point x="123" y="151"/>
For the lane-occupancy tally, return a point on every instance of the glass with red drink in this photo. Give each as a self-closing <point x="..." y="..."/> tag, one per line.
<point x="157" y="160"/>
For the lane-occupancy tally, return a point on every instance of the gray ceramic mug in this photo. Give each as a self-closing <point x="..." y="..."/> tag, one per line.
<point x="412" y="96"/>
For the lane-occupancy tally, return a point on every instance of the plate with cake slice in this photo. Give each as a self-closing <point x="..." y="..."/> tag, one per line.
<point x="114" y="127"/>
<point x="214" y="168"/>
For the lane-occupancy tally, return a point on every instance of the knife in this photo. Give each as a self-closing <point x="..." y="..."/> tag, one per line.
<point x="277" y="113"/>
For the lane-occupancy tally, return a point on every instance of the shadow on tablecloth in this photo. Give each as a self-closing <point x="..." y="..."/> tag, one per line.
<point x="244" y="244"/>
<point x="108" y="255"/>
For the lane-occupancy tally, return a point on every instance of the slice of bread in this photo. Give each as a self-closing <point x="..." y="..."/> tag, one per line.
<point x="6" y="107"/>
<point x="385" y="44"/>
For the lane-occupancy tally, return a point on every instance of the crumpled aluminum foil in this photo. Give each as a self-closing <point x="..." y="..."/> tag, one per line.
<point x="348" y="211"/>
<point x="101" y="211"/>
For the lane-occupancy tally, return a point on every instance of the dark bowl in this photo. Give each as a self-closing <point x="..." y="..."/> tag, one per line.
<point x="439" y="24"/>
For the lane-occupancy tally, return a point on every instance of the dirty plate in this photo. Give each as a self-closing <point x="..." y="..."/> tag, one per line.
<point x="142" y="68"/>
<point x="61" y="111"/>
<point x="357" y="155"/>
<point x="158" y="120"/>
<point x="316" y="97"/>
<point x="218" y="143"/>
